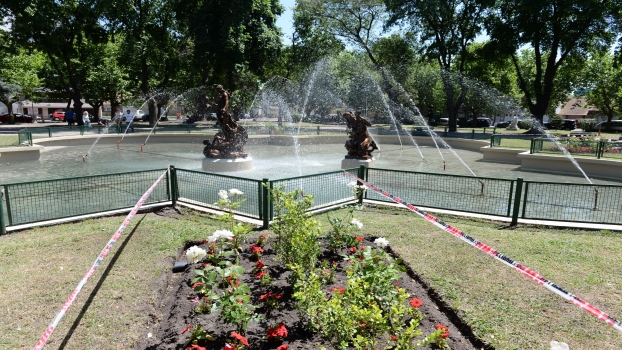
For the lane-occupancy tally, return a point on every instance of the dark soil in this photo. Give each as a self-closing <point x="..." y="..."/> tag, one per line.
<point x="174" y="311"/>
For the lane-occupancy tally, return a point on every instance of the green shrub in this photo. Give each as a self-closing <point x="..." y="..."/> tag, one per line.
<point x="525" y="123"/>
<point x="297" y="232"/>
<point x="587" y="124"/>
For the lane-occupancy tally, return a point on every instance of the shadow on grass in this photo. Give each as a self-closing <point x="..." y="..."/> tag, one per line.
<point x="98" y="285"/>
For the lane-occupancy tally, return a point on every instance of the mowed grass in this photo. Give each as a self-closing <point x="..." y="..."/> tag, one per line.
<point x="39" y="268"/>
<point x="504" y="308"/>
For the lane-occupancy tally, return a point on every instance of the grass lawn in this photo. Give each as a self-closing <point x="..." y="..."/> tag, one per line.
<point x="40" y="267"/>
<point x="8" y="140"/>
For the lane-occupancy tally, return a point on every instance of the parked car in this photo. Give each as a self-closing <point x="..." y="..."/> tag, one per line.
<point x="211" y="116"/>
<point x="58" y="115"/>
<point x="18" y="118"/>
<point x="615" y="125"/>
<point x="503" y="124"/>
<point x="483" y="123"/>
<point x="564" y="124"/>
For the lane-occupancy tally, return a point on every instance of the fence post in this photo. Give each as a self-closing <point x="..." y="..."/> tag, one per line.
<point x="445" y="131"/>
<point x="492" y="141"/>
<point x="494" y="131"/>
<point x="473" y="134"/>
<point x="7" y="196"/>
<point x="81" y="130"/>
<point x="531" y="146"/>
<point x="600" y="149"/>
<point x="2" y="223"/>
<point x="174" y="190"/>
<point x="318" y="129"/>
<point x="49" y="132"/>
<point x="266" y="203"/>
<point x="361" y="175"/>
<point x="29" y="137"/>
<point x="517" y="198"/>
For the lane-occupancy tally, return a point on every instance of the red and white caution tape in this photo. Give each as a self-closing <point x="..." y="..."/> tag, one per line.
<point x="46" y="335"/>
<point x="593" y="310"/>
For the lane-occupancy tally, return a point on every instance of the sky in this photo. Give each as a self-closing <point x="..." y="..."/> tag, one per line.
<point x="286" y="19"/>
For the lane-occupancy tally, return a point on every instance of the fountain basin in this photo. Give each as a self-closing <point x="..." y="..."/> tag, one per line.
<point x="501" y="155"/>
<point x="602" y="168"/>
<point x="355" y="163"/>
<point x="227" y="165"/>
<point x="12" y="154"/>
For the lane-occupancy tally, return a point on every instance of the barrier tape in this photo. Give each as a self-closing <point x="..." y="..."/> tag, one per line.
<point x="594" y="311"/>
<point x="46" y="335"/>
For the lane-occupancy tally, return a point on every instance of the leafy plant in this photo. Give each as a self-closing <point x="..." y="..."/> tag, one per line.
<point x="297" y="233"/>
<point x="228" y="203"/>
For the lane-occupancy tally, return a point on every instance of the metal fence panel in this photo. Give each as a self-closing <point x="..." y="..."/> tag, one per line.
<point x="54" y="199"/>
<point x="328" y="189"/>
<point x="570" y="202"/>
<point x="452" y="192"/>
<point x="202" y="188"/>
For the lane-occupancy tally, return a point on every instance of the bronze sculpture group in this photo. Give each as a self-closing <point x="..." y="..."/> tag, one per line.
<point x="359" y="145"/>
<point x="229" y="142"/>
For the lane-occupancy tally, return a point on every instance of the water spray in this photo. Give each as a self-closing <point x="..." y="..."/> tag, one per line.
<point x="84" y="158"/>
<point x="141" y="148"/>
<point x="118" y="142"/>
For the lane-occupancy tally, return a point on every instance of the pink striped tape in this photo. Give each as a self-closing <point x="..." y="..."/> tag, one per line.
<point x="594" y="311"/>
<point x="48" y="332"/>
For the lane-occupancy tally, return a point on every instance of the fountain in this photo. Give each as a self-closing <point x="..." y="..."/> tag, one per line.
<point x="359" y="145"/>
<point x="225" y="153"/>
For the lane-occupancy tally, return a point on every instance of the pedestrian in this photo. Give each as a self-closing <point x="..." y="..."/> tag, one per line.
<point x="69" y="117"/>
<point x="128" y="118"/>
<point x="85" y="119"/>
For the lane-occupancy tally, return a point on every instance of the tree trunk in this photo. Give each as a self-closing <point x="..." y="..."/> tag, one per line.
<point x="77" y="108"/>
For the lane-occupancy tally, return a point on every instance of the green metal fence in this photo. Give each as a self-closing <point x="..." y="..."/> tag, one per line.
<point x="24" y="137"/>
<point x="328" y="188"/>
<point x="454" y="192"/>
<point x="570" y="202"/>
<point x="201" y="188"/>
<point x="511" y="141"/>
<point x="30" y="202"/>
<point x="53" y="199"/>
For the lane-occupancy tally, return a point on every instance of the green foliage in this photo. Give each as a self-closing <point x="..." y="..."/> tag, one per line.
<point x="228" y="204"/>
<point x="339" y="235"/>
<point x="369" y="310"/>
<point x="587" y="124"/>
<point x="297" y="233"/>
<point x="525" y="123"/>
<point x="198" y="334"/>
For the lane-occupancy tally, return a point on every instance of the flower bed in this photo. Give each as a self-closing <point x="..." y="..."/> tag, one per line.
<point x="300" y="289"/>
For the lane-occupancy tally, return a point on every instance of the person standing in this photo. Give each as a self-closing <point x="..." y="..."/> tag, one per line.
<point x="85" y="119"/>
<point x="128" y="117"/>
<point x="69" y="117"/>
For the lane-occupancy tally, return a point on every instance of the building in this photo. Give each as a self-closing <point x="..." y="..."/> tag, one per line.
<point x="577" y="108"/>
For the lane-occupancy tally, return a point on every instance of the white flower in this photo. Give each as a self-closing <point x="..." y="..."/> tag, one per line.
<point x="361" y="187"/>
<point x="223" y="194"/>
<point x="559" y="346"/>
<point x="235" y="192"/>
<point x="194" y="254"/>
<point x="352" y="184"/>
<point x="226" y="234"/>
<point x="381" y="242"/>
<point x="357" y="223"/>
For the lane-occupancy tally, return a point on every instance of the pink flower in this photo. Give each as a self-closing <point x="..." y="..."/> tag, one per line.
<point x="260" y="274"/>
<point x="283" y="347"/>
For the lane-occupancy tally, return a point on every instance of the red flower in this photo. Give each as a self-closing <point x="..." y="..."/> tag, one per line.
<point x="270" y="295"/>
<point x="394" y="337"/>
<point x="207" y="264"/>
<point x="445" y="335"/>
<point x="339" y="290"/>
<point x="204" y="241"/>
<point x="228" y="347"/>
<point x="359" y="238"/>
<point x="440" y="326"/>
<point x="197" y="284"/>
<point x="264" y="236"/>
<point x="353" y="250"/>
<point x="414" y="302"/>
<point x="259" y="265"/>
<point x="283" y="347"/>
<point x="256" y="249"/>
<point x="239" y="337"/>
<point x="278" y="332"/>
<point x="260" y="274"/>
<point x="195" y="347"/>
<point x="186" y="329"/>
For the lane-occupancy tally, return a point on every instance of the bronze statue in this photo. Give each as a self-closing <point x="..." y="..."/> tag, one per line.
<point x="230" y="140"/>
<point x="359" y="145"/>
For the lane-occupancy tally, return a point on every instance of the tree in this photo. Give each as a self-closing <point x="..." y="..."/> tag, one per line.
<point x="601" y="80"/>
<point x="19" y="72"/>
<point x="61" y="30"/>
<point x="558" y="31"/>
<point x="446" y="28"/>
